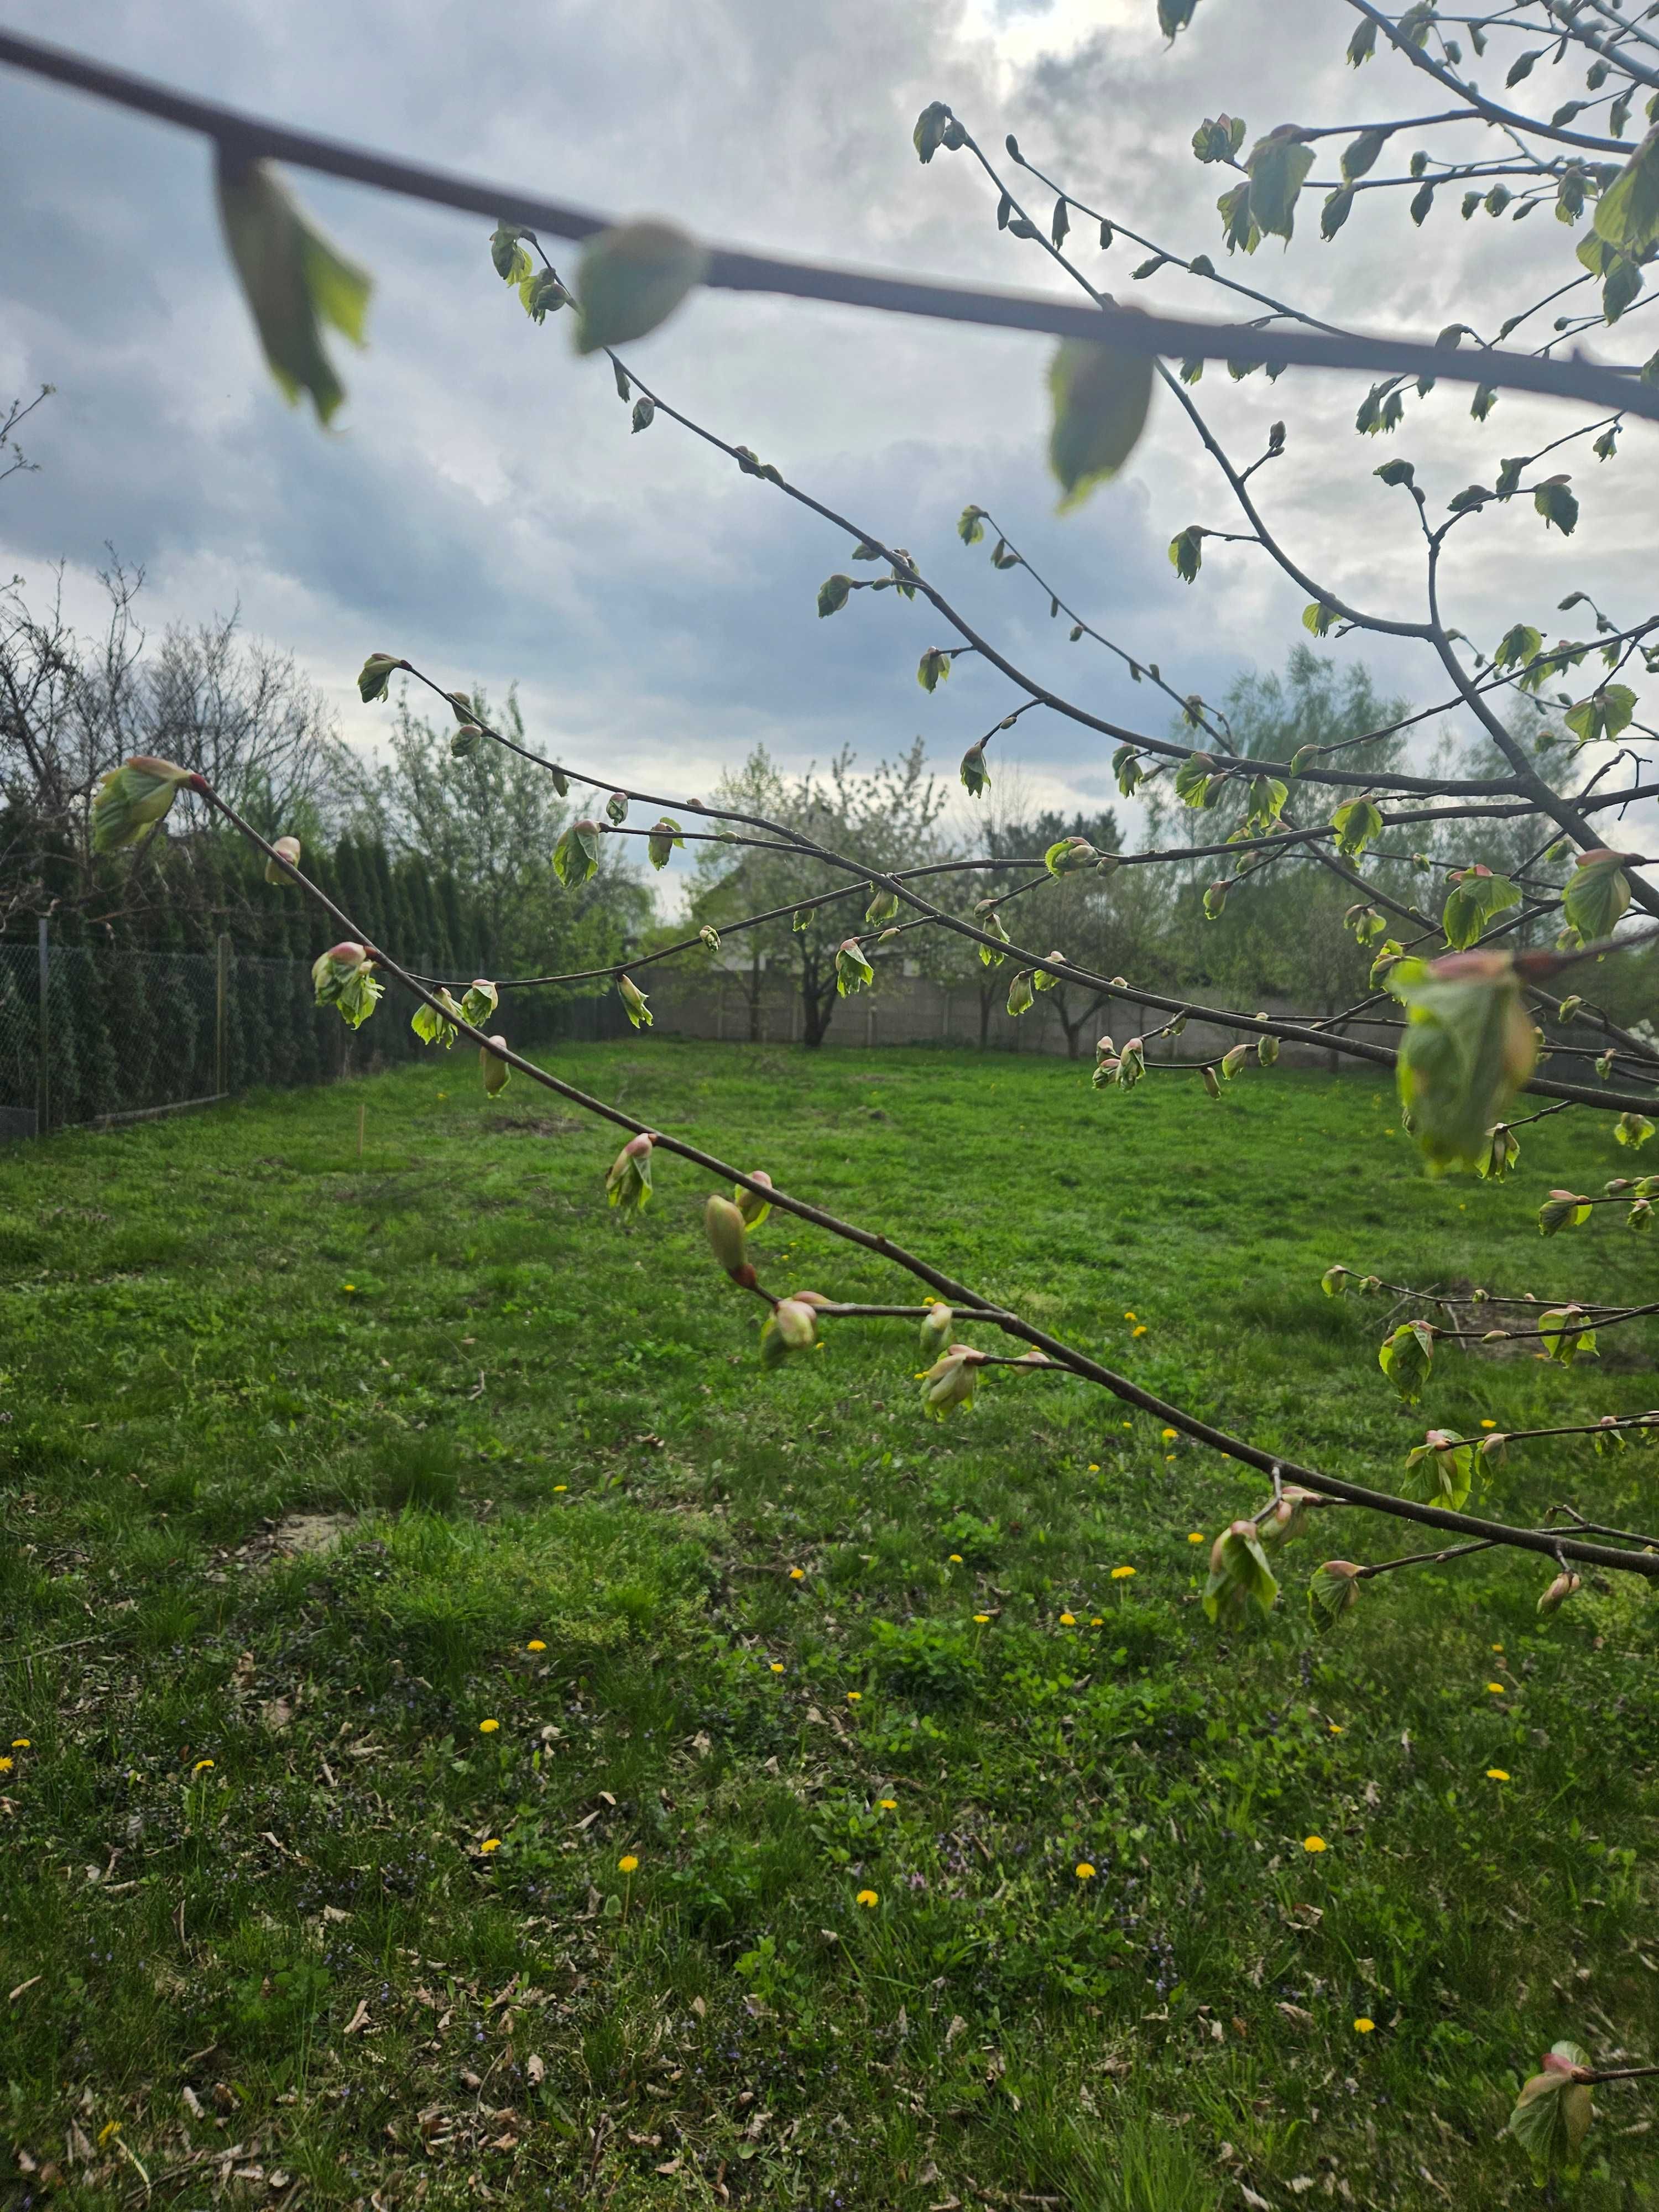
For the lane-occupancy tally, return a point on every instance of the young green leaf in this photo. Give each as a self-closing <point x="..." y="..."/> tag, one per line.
<point x="1101" y="395"/>
<point x="1278" y="166"/>
<point x="436" y="1024"/>
<point x="832" y="594"/>
<point x="853" y="971"/>
<point x="1597" y="893"/>
<point x="293" y="281"/>
<point x="628" y="1179"/>
<point x="1238" y="1572"/>
<point x="375" y="674"/>
<point x="933" y="667"/>
<point x="661" y="839"/>
<point x="1021" y="997"/>
<point x="1186" y="552"/>
<point x="1603" y="715"/>
<point x="1440" y="1470"/>
<point x="1552" y="2115"/>
<point x="1467" y="1048"/>
<point x="1406" y="1357"/>
<point x="631" y="278"/>
<point x="479" y="1001"/>
<point x="1627" y="213"/>
<point x="974" y="776"/>
<point x="634" y="1004"/>
<point x="1356" y="824"/>
<point x="1476" y="896"/>
<point x="576" y="855"/>
<point x="1563" y="1209"/>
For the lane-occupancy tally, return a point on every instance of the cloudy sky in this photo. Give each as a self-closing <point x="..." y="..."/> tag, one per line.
<point x="480" y="504"/>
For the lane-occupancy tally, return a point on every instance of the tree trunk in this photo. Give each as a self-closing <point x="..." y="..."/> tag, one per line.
<point x="1074" y="1030"/>
<point x="987" y="993"/>
<point x="755" y="994"/>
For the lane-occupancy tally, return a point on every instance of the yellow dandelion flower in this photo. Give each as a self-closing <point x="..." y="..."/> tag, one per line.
<point x="558" y="1486"/>
<point x="1128" y="1316"/>
<point x="1498" y="1647"/>
<point x="888" y="1804"/>
<point x="535" y="1645"/>
<point x="854" y="1697"/>
<point x="798" y="1574"/>
<point x="1084" y="1872"/>
<point x="868" y="1900"/>
<point x="6" y="1765"/>
<point x="1363" y="2026"/>
<point x="201" y="1766"/>
<point x="981" y="1617"/>
<point x="488" y="1728"/>
<point x="1121" y="1574"/>
<point x="1169" y="1435"/>
<point x="1094" y="1467"/>
<point x="1197" y="1536"/>
<point x="21" y="1743"/>
<point x="956" y="1558"/>
<point x="1497" y="1774"/>
<point x="627" y="1864"/>
<point x="1068" y="1621"/>
<point x="777" y="1665"/>
<point x="1140" y="1329"/>
<point x="1095" y="1621"/>
<point x="490" y="1844"/>
<point x="1335" y="1727"/>
<point x="1314" y="1844"/>
<point x="1497" y="1689"/>
<point x="110" y="2128"/>
<point x="1489" y="1424"/>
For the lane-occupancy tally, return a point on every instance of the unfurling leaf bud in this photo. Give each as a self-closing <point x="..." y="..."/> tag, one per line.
<point x="1238" y="1572"/>
<point x="1045" y="978"/>
<point x="576" y="855"/>
<point x="436" y="1024"/>
<point x="343" y="977"/>
<point x="617" y="807"/>
<point x="1069" y="856"/>
<point x="464" y="740"/>
<point x="132" y="797"/>
<point x="753" y="1208"/>
<point x="884" y="905"/>
<point x="792" y="1325"/>
<point x="1132" y="1066"/>
<point x="1267" y="1050"/>
<point x="951" y="1380"/>
<point x="285" y="849"/>
<point x="494" y="1069"/>
<point x="1565" y="1585"/>
<point x="1210" y="1082"/>
<point x="1020" y="998"/>
<point x="1233" y="1061"/>
<point x="853" y="971"/>
<point x="375" y="674"/>
<point x="627" y="1179"/>
<point x="936" y="1326"/>
<point x="975" y="777"/>
<point x="728" y="1238"/>
<point x="633" y="1000"/>
<point x="661" y="839"/>
<point x="1334" y="1591"/>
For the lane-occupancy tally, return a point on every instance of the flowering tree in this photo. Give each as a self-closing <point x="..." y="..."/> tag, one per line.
<point x="1489" y="895"/>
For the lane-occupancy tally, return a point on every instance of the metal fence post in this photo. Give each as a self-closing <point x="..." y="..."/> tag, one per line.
<point x="43" y="1033"/>
<point x="221" y="1027"/>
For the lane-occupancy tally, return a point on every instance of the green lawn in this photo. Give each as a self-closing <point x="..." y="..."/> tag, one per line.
<point x="595" y="1587"/>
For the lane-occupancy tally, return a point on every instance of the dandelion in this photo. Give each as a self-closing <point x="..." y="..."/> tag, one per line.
<point x="21" y="1743"/>
<point x="980" y="1619"/>
<point x="1129" y="1424"/>
<point x="855" y="1697"/>
<point x="777" y="1665"/>
<point x="1094" y="1467"/>
<point x="1335" y="1727"/>
<point x="1068" y="1621"/>
<point x="1497" y="1689"/>
<point x="956" y="1558"/>
<point x="1498" y="1647"/>
<point x="348" y="1287"/>
<point x="6" y="1765"/>
<point x="888" y="1804"/>
<point x="1363" y="2026"/>
<point x="1140" y="1329"/>
<point x="1084" y="1872"/>
<point x="490" y="1844"/>
<point x="488" y="1728"/>
<point x="201" y="1766"/>
<point x="1197" y="1536"/>
<point x="1095" y="1621"/>
<point x="1489" y="1424"/>
<point x="1121" y="1574"/>
<point x="535" y="1645"/>
<point x="1169" y="1435"/>
<point x="798" y="1574"/>
<point x="868" y="1900"/>
<point x="558" y="1486"/>
<point x="1314" y="1844"/>
<point x="1497" y="1774"/>
<point x="110" y="2128"/>
<point x="628" y="1864"/>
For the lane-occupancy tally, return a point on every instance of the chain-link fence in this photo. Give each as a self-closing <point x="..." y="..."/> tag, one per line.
<point x="89" y="1033"/>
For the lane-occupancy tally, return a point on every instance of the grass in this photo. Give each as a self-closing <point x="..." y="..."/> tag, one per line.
<point x="279" y="1903"/>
